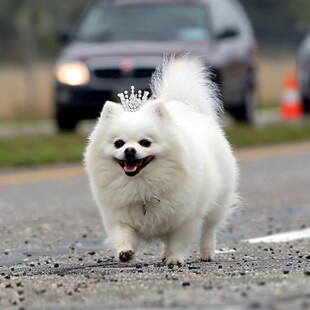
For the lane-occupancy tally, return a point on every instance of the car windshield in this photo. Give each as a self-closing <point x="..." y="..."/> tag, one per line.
<point x="148" y="22"/>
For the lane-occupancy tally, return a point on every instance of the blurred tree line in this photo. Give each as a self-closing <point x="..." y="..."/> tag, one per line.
<point x="28" y="28"/>
<point x="31" y="26"/>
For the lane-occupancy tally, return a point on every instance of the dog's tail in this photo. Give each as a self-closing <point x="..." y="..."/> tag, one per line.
<point x="184" y="79"/>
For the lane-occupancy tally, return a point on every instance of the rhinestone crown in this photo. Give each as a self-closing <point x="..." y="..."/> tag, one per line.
<point x="133" y="102"/>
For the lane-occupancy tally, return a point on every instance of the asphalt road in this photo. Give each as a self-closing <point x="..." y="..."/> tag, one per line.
<point x="52" y="256"/>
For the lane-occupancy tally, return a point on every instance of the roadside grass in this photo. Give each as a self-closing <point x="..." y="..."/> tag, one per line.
<point x="246" y="136"/>
<point x="38" y="150"/>
<point x="69" y="147"/>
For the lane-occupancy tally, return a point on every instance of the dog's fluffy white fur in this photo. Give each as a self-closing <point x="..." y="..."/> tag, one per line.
<point x="191" y="167"/>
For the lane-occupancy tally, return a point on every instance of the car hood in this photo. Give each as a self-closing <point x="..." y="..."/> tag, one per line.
<point x="85" y="51"/>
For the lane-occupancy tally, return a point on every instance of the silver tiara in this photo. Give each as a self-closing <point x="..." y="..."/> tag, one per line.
<point x="133" y="102"/>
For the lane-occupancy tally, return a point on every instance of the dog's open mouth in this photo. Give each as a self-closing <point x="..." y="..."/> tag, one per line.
<point x="133" y="166"/>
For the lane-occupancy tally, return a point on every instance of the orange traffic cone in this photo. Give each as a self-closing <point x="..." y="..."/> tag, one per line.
<point x="292" y="107"/>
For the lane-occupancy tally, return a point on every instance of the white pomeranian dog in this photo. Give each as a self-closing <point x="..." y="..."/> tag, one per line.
<point x="162" y="168"/>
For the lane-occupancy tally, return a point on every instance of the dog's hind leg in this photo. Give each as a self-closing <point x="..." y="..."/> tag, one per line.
<point x="207" y="241"/>
<point x="208" y="234"/>
<point x="214" y="221"/>
<point x="178" y="242"/>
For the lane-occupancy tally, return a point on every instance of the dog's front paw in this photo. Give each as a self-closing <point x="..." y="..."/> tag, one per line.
<point x="126" y="256"/>
<point x="174" y="260"/>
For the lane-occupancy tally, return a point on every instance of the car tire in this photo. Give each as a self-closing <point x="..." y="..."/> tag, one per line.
<point x="65" y="122"/>
<point x="246" y="110"/>
<point x="306" y="104"/>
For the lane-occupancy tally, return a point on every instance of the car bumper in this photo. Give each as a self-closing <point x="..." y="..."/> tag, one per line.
<point x="87" y="101"/>
<point x="82" y="101"/>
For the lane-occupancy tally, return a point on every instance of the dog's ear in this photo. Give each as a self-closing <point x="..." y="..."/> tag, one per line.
<point x="110" y="110"/>
<point x="158" y="109"/>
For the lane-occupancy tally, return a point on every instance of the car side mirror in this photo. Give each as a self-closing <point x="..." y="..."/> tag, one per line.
<point x="227" y="33"/>
<point x="65" y="34"/>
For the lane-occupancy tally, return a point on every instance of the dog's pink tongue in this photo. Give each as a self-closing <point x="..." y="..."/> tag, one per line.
<point x="131" y="166"/>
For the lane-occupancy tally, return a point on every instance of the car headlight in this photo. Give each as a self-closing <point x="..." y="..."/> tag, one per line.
<point x="74" y="74"/>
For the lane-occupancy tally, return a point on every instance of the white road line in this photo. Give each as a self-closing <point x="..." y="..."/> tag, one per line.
<point x="224" y="251"/>
<point x="283" y="237"/>
<point x="264" y="152"/>
<point x="41" y="175"/>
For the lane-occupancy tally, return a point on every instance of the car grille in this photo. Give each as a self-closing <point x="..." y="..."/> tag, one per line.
<point x="118" y="74"/>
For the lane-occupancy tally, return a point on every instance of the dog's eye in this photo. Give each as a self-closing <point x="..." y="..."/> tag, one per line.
<point x="145" y="143"/>
<point x="119" y="143"/>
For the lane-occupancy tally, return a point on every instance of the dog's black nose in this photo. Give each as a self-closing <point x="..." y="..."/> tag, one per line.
<point x="130" y="152"/>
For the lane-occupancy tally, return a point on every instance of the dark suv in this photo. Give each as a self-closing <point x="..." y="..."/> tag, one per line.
<point x="119" y="43"/>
